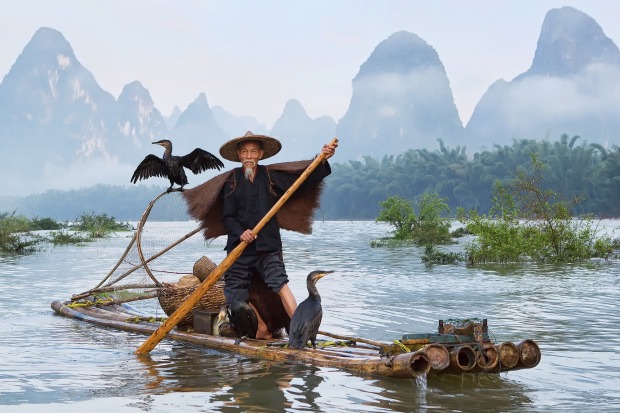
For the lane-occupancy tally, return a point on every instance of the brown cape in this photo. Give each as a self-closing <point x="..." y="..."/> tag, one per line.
<point x="205" y="202"/>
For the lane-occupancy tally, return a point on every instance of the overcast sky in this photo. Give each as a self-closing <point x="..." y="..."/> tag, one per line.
<point x="250" y="57"/>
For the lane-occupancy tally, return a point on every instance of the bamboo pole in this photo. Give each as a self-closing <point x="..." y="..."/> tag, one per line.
<point x="508" y="354"/>
<point x="487" y="357"/>
<point x="113" y="288"/>
<point x="462" y="359"/>
<point x="379" y="344"/>
<point x="215" y="275"/>
<point x="529" y="354"/>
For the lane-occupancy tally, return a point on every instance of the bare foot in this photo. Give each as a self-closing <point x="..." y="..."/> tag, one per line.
<point x="263" y="334"/>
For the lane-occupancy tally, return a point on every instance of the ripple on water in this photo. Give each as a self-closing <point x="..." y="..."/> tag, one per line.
<point x="50" y="362"/>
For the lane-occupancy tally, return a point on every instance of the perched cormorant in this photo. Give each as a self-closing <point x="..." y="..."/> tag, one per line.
<point x="171" y="167"/>
<point x="307" y="317"/>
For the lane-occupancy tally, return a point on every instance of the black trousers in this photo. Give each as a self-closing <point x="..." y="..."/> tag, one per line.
<point x="268" y="265"/>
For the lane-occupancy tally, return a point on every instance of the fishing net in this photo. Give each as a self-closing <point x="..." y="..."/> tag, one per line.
<point x="162" y="265"/>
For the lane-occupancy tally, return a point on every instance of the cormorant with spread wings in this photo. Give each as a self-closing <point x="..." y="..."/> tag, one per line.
<point x="171" y="167"/>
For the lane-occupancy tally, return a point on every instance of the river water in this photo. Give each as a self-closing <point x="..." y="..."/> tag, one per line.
<point x="50" y="363"/>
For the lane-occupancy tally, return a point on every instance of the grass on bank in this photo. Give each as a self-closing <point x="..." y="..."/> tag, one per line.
<point x="18" y="236"/>
<point x="100" y="225"/>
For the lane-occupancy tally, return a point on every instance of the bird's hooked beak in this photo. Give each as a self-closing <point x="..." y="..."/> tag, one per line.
<point x="223" y="314"/>
<point x="222" y="318"/>
<point x="323" y="274"/>
<point x="160" y="143"/>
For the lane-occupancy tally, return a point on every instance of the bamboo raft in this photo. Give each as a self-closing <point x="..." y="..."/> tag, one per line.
<point x="455" y="348"/>
<point x="413" y="356"/>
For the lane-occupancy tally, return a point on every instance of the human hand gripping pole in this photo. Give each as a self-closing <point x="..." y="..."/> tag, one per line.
<point x="215" y="275"/>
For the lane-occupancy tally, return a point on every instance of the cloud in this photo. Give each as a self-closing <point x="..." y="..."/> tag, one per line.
<point x="536" y="107"/>
<point x="542" y="98"/>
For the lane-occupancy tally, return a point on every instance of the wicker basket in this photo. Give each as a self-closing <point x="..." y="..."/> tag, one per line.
<point x="171" y="297"/>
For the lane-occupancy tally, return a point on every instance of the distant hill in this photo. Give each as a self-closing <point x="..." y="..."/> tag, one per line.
<point x="401" y="100"/>
<point x="572" y="86"/>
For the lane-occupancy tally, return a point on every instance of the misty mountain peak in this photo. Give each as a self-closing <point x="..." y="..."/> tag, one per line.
<point x="294" y="111"/>
<point x="51" y="102"/>
<point x="137" y="116"/>
<point x="197" y="109"/>
<point x="301" y="135"/>
<point x="400" y="53"/>
<point x="136" y="90"/>
<point x="569" y="41"/>
<point x="47" y="54"/>
<point x="46" y="41"/>
<point x="198" y="122"/>
<point x="49" y="67"/>
<point x="562" y="92"/>
<point x="174" y="116"/>
<point x="401" y="99"/>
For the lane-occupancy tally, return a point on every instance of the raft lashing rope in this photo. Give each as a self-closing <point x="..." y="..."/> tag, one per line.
<point x="154" y="260"/>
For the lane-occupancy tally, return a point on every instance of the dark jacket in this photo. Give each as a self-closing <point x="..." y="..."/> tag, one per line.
<point x="247" y="203"/>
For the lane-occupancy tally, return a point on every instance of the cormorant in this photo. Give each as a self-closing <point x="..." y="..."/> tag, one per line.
<point x="243" y="318"/>
<point x="171" y="167"/>
<point x="307" y="317"/>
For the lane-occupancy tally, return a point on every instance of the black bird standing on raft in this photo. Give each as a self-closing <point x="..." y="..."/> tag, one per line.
<point x="307" y="317"/>
<point x="243" y="318"/>
<point x="171" y="167"/>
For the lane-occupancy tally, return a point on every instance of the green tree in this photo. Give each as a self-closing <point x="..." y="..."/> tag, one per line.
<point x="499" y="237"/>
<point x="529" y="221"/>
<point x="15" y="235"/>
<point x="424" y="227"/>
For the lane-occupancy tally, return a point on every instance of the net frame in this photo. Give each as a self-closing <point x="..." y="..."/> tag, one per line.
<point x="108" y="285"/>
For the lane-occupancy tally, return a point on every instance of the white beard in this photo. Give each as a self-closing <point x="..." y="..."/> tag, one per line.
<point x="248" y="169"/>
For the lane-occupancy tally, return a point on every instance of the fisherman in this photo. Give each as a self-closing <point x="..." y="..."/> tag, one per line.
<point x="247" y="195"/>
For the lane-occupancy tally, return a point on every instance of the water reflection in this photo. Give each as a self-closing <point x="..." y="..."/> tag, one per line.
<point x="479" y="393"/>
<point x="232" y="381"/>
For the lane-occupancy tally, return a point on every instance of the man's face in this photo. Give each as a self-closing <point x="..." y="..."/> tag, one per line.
<point x="250" y="153"/>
